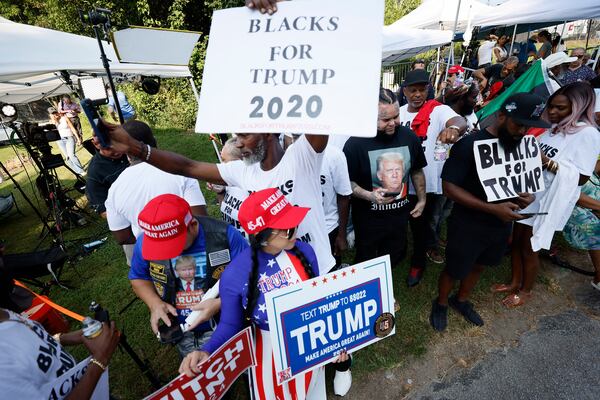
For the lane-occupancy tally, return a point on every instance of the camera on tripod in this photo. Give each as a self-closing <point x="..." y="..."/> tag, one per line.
<point x="38" y="137"/>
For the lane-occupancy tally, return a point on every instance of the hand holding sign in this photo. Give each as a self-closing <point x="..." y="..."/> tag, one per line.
<point x="264" y="6"/>
<point x="210" y="377"/>
<point x="190" y="366"/>
<point x="525" y="199"/>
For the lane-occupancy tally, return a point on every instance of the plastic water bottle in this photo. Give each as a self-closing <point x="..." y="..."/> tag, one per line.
<point x="91" y="328"/>
<point x="89" y="247"/>
<point x="440" y="152"/>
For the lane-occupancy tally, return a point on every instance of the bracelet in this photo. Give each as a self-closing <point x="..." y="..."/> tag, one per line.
<point x="98" y="363"/>
<point x="552" y="166"/>
<point x="149" y="151"/>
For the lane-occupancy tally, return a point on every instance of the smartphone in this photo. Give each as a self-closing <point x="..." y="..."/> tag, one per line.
<point x="532" y="214"/>
<point x="170" y="334"/>
<point x="391" y="194"/>
<point x="100" y="130"/>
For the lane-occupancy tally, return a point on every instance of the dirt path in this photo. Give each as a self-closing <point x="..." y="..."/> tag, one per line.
<point x="458" y="349"/>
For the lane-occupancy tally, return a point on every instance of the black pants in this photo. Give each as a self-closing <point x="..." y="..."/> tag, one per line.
<point x="424" y="228"/>
<point x="332" y="236"/>
<point x="378" y="237"/>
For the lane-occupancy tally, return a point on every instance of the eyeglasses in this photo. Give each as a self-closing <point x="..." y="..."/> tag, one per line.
<point x="579" y="55"/>
<point x="289" y="233"/>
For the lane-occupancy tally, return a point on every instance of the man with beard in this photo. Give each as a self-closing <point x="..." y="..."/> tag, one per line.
<point x="478" y="231"/>
<point x="379" y="168"/>
<point x="264" y="164"/>
<point x="462" y="100"/>
<point x="428" y="120"/>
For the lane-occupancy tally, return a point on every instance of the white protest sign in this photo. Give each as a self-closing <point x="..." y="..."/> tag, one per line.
<point x="62" y="386"/>
<point x="312" y="67"/>
<point x="504" y="173"/>
<point x="311" y="322"/>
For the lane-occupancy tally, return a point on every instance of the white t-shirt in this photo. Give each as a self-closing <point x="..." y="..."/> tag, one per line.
<point x="581" y="149"/>
<point x="472" y="122"/>
<point x="484" y="54"/>
<point x="136" y="186"/>
<point x="63" y="127"/>
<point x="334" y="180"/>
<point x="230" y="207"/>
<point x="31" y="359"/>
<point x="297" y="176"/>
<point x="337" y="141"/>
<point x="438" y="118"/>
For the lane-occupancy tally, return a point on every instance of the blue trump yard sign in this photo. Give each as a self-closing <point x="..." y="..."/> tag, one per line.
<point x="310" y="323"/>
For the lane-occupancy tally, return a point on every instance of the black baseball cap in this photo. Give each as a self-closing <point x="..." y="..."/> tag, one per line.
<point x="416" y="76"/>
<point x="526" y="109"/>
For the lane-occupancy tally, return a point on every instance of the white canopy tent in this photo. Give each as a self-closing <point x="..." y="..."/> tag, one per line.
<point x="400" y="43"/>
<point x="441" y="14"/>
<point x="520" y="12"/>
<point x="33" y="56"/>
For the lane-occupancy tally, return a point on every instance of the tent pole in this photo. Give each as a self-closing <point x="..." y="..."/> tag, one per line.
<point x="596" y="60"/>
<point x="193" y="85"/>
<point x="589" y="30"/>
<point x="452" y="42"/>
<point x="562" y="32"/>
<point x="512" y="43"/>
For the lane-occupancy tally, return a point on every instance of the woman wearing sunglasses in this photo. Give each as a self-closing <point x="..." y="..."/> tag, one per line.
<point x="275" y="259"/>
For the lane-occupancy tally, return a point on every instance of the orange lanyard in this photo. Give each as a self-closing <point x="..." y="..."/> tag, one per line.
<point x="52" y="304"/>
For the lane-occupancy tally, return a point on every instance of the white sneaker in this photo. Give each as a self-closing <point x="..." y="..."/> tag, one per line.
<point x="342" y="382"/>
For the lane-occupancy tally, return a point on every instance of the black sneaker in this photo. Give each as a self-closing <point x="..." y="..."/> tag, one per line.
<point x="465" y="308"/>
<point x="439" y="316"/>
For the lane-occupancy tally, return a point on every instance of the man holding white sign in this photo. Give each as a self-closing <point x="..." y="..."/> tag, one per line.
<point x="478" y="230"/>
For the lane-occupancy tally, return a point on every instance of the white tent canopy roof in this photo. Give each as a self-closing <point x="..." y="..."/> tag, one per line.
<point x="32" y="55"/>
<point x="536" y="11"/>
<point x="440" y="14"/>
<point x="400" y="43"/>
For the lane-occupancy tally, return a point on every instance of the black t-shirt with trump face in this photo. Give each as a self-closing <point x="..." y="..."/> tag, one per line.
<point x="385" y="161"/>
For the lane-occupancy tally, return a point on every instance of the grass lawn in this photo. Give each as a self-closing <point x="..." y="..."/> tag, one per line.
<point x="102" y="276"/>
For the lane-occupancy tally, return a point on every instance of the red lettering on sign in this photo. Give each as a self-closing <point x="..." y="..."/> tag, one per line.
<point x="216" y="375"/>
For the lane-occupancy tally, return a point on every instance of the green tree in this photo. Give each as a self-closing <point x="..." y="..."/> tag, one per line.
<point x="396" y="9"/>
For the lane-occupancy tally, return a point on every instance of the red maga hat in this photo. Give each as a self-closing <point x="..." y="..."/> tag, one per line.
<point x="455" y="69"/>
<point x="269" y="208"/>
<point x="164" y="221"/>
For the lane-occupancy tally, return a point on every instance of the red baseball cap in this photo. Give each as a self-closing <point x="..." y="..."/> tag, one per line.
<point x="455" y="69"/>
<point x="164" y="221"/>
<point x="269" y="208"/>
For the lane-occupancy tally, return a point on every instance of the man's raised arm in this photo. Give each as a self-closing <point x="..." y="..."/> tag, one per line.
<point x="168" y="161"/>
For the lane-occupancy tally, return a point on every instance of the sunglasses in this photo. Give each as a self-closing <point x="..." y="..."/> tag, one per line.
<point x="289" y="233"/>
<point x="579" y="55"/>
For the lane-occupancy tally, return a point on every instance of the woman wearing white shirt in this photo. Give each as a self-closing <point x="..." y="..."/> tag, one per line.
<point x="67" y="140"/>
<point x="499" y="53"/>
<point x="572" y="142"/>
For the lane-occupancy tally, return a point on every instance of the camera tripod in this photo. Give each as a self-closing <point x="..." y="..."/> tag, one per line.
<point x="100" y="314"/>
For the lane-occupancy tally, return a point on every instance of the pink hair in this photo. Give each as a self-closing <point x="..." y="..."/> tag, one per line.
<point x="582" y="99"/>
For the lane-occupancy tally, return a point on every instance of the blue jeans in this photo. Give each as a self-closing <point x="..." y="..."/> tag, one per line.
<point x="67" y="147"/>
